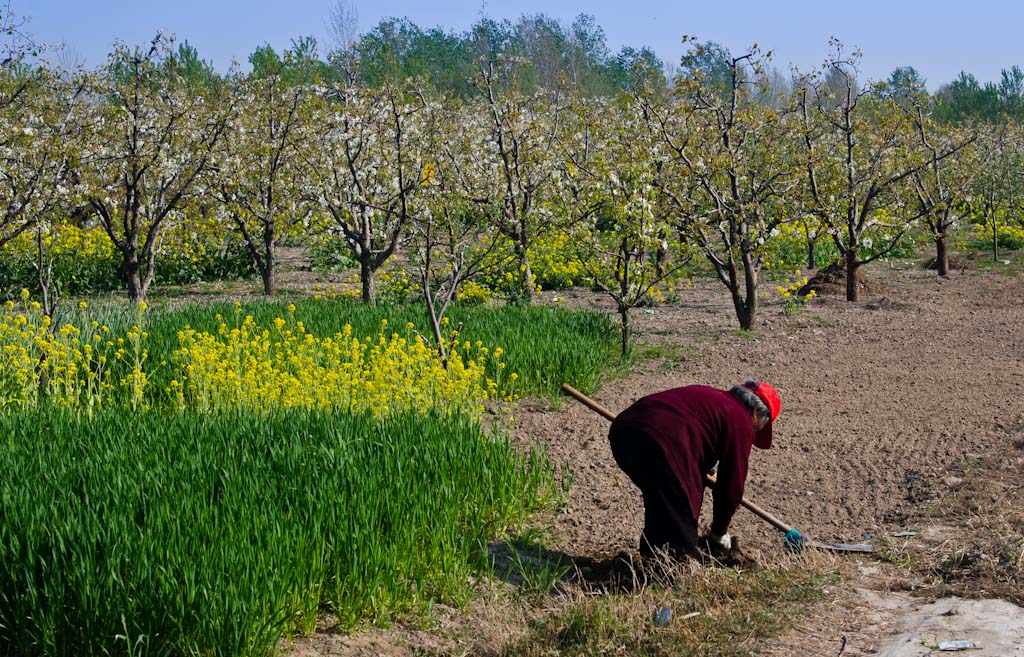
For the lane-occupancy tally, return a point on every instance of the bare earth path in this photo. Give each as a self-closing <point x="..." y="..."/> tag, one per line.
<point x="889" y="405"/>
<point x="880" y="399"/>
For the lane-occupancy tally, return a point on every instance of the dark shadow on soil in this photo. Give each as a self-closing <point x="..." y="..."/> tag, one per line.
<point x="537" y="569"/>
<point x="540" y="570"/>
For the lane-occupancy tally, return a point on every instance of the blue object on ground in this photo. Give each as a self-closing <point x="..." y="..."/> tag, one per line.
<point x="793" y="541"/>
<point x="662" y="617"/>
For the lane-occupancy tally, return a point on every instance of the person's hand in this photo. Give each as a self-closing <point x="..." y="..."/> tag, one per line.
<point x="723" y="550"/>
<point x="718" y="547"/>
<point x="723" y="542"/>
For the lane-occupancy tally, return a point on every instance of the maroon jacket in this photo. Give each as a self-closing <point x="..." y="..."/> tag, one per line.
<point x="697" y="427"/>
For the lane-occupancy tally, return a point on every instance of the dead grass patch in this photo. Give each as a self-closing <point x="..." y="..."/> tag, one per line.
<point x="714" y="611"/>
<point x="975" y="548"/>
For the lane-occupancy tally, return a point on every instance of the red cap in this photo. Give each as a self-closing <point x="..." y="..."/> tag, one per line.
<point x="766" y="393"/>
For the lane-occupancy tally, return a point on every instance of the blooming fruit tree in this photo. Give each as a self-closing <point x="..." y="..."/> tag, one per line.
<point x="451" y="241"/>
<point x="366" y="169"/>
<point x="732" y="171"/>
<point x="259" y="181"/>
<point x="514" y="169"/>
<point x="621" y="221"/>
<point x="146" y="142"/>
<point x="859" y="152"/>
<point x="943" y="187"/>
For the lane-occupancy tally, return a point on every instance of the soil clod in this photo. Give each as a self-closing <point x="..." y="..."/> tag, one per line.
<point x="832" y="281"/>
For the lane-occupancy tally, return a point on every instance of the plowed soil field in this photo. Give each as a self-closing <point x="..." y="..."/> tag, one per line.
<point x="882" y="399"/>
<point x="903" y="414"/>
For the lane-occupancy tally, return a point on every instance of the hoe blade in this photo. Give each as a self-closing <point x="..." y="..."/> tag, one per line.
<point x="843" y="547"/>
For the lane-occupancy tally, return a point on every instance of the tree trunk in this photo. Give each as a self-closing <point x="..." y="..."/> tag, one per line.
<point x="136" y="290"/>
<point x="995" y="240"/>
<point x="745" y="313"/>
<point x="661" y="257"/>
<point x="367" y="277"/>
<point x="852" y="274"/>
<point x="269" y="280"/>
<point x="269" y="262"/>
<point x="626" y="329"/>
<point x="751" y="307"/>
<point x="941" y="255"/>
<point x="525" y="293"/>
<point x="812" y="259"/>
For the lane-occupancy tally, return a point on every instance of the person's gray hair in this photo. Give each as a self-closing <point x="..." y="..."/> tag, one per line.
<point x="751" y="400"/>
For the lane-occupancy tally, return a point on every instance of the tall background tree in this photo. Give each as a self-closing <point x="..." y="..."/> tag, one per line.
<point x="149" y="139"/>
<point x="573" y="55"/>
<point x="859" y="148"/>
<point x="259" y="181"/>
<point x="513" y="175"/>
<point x="735" y="152"/>
<point x="366" y="169"/>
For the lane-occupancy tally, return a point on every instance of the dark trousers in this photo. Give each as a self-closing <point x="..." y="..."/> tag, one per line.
<point x="669" y="524"/>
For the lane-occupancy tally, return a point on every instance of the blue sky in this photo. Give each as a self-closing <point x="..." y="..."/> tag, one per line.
<point x="939" y="38"/>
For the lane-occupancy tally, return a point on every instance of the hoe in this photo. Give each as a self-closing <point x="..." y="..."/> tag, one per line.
<point x="793" y="540"/>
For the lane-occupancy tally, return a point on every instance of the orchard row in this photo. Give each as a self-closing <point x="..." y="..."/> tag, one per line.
<point x="637" y="187"/>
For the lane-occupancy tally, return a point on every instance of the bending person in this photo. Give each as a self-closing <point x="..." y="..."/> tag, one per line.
<point x="669" y="441"/>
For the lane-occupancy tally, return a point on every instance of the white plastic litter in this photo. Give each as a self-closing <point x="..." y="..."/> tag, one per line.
<point x="951" y="646"/>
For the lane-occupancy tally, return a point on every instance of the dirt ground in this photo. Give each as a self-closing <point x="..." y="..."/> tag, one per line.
<point x="902" y="414"/>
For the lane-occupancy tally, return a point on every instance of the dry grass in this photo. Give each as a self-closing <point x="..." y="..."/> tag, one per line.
<point x="715" y="610"/>
<point x="974" y="543"/>
<point x="606" y="607"/>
